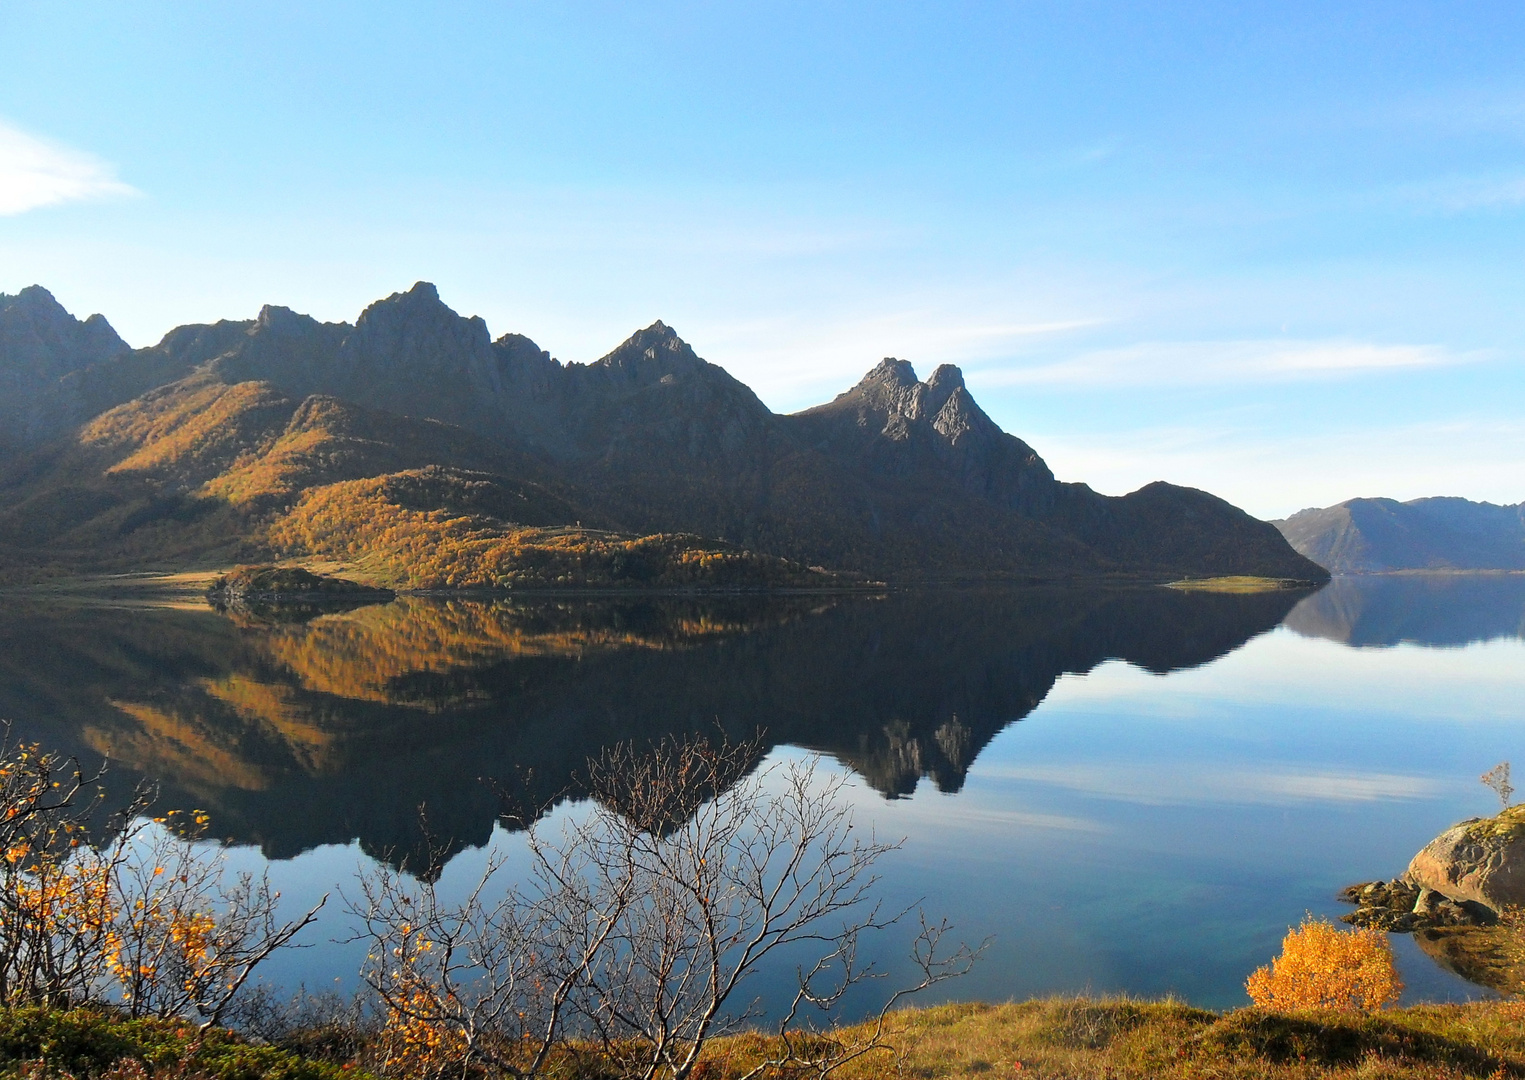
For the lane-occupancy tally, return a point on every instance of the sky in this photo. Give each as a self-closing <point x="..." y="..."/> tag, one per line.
<point x="1271" y="250"/>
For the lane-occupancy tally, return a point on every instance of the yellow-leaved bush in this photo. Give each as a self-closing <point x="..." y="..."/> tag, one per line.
<point x="1324" y="967"/>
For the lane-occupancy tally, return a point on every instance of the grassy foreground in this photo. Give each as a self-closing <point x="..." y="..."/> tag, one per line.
<point x="1079" y="1037"/>
<point x="1055" y="1037"/>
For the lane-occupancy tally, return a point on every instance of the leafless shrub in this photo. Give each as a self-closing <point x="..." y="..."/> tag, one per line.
<point x="325" y="1025"/>
<point x="638" y="926"/>
<point x="186" y="938"/>
<point x="1497" y="778"/>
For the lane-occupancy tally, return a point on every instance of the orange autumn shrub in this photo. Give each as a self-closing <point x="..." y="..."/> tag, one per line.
<point x="1323" y="967"/>
<point x="131" y="912"/>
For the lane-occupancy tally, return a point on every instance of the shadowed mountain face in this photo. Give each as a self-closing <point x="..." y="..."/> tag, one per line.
<point x="1418" y="609"/>
<point x="203" y="442"/>
<point x="299" y="734"/>
<point x="1373" y="536"/>
<point x="42" y="345"/>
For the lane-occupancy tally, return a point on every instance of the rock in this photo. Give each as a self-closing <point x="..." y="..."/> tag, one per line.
<point x="280" y="594"/>
<point x="280" y="581"/>
<point x="1400" y="907"/>
<point x="1479" y="861"/>
<point x="1382" y="918"/>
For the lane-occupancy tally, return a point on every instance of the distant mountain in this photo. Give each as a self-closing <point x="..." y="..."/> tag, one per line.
<point x="1437" y="610"/>
<point x="417" y="449"/>
<point x="1374" y="536"/>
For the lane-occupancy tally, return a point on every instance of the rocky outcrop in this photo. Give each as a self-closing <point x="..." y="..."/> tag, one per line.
<point x="1461" y="898"/>
<point x="1481" y="860"/>
<point x="275" y="582"/>
<point x="288" y="594"/>
<point x="1401" y="907"/>
<point x="1467" y="876"/>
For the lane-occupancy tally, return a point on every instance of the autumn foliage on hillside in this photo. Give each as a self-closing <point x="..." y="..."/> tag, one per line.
<point x="424" y="529"/>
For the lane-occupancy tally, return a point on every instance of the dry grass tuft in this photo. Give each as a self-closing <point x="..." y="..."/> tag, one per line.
<point x="1125" y="1039"/>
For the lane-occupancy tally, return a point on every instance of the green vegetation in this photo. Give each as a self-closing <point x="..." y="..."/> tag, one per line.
<point x="38" y="1043"/>
<point x="1237" y="584"/>
<point x="1508" y="825"/>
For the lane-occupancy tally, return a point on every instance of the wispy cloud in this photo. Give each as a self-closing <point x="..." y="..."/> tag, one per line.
<point x="1171" y="363"/>
<point x="793" y="365"/>
<point x="36" y="172"/>
<point x="1276" y="787"/>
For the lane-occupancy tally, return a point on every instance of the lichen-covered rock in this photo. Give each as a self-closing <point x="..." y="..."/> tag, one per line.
<point x="1481" y="860"/>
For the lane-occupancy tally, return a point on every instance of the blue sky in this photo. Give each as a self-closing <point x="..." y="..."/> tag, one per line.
<point x="1271" y="250"/>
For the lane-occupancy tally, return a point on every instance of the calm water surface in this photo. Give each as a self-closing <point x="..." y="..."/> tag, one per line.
<point x="1129" y="790"/>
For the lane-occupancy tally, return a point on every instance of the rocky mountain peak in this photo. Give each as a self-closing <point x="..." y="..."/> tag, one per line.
<point x="419" y="310"/>
<point x="651" y="353"/>
<point x="283" y="322"/>
<point x="38" y="336"/>
<point x="416" y="332"/>
<point x="891" y="372"/>
<point x="947" y="376"/>
<point x="35" y="300"/>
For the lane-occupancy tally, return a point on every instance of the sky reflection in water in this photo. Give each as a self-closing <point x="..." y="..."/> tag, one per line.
<point x="1133" y="832"/>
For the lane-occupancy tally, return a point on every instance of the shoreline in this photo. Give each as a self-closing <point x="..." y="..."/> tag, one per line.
<point x="144" y="585"/>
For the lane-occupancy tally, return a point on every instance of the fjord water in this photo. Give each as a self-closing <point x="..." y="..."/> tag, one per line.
<point x="1129" y="789"/>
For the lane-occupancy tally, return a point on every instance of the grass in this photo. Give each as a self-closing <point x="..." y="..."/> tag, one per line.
<point x="1117" y="1038"/>
<point x="1236" y="584"/>
<point x="1124" y="1039"/>
<point x="1508" y="825"/>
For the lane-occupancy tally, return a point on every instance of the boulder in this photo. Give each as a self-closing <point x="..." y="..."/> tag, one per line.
<point x="1401" y="907"/>
<point x="1481" y="860"/>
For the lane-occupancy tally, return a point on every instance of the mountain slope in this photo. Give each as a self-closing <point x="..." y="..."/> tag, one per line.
<point x="209" y="439"/>
<point x="1373" y="536"/>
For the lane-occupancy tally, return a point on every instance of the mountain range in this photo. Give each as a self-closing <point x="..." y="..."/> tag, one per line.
<point x="414" y="449"/>
<point x="1374" y="536"/>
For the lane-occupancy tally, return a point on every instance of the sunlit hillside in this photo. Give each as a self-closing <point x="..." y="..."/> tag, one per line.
<point x="429" y="456"/>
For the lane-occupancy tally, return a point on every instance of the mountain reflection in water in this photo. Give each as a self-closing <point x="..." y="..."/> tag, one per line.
<point x="296" y="734"/>
<point x="1418" y="609"/>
